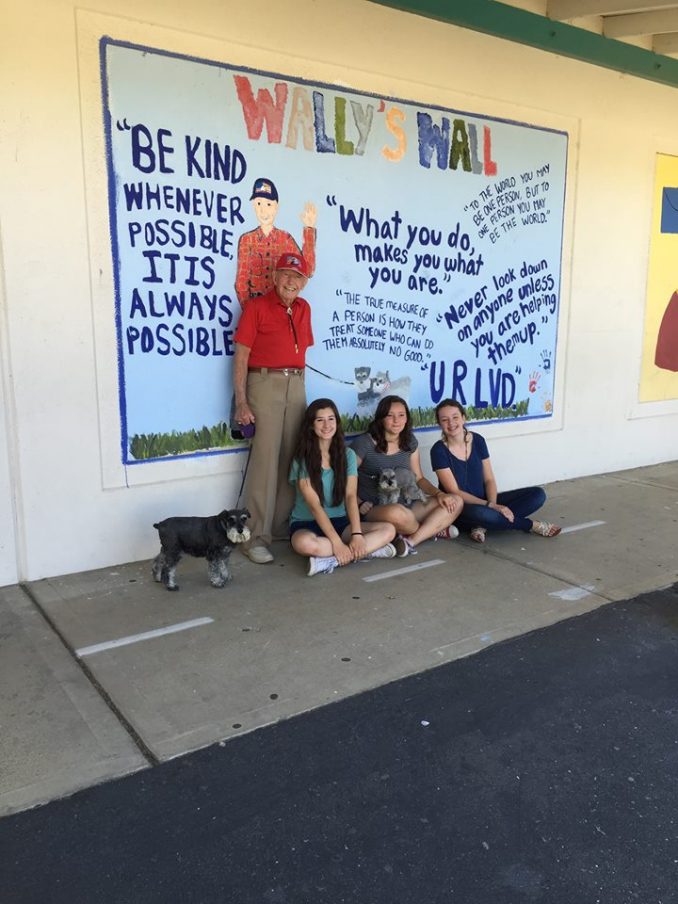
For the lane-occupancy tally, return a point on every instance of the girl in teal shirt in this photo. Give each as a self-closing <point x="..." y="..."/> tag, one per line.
<point x="325" y="524"/>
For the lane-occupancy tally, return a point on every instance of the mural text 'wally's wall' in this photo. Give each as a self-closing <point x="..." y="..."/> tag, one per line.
<point x="435" y="238"/>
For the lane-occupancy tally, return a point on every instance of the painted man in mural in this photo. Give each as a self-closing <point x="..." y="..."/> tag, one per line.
<point x="259" y="249"/>
<point x="273" y="334"/>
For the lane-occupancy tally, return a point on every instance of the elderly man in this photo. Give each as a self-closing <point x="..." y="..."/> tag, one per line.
<point x="268" y="376"/>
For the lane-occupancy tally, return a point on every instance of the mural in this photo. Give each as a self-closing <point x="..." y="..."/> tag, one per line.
<point x="659" y="374"/>
<point x="434" y="236"/>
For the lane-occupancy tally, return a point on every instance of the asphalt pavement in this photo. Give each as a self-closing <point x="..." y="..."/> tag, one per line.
<point x="541" y="769"/>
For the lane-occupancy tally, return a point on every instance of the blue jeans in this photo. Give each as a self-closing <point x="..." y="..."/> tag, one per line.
<point x="521" y="502"/>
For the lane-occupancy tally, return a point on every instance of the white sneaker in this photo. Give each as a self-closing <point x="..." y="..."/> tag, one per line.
<point x="386" y="552"/>
<point x="448" y="533"/>
<point x="260" y="555"/>
<point x="321" y="565"/>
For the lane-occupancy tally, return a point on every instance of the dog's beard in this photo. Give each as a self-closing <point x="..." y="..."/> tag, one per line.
<point x="236" y="535"/>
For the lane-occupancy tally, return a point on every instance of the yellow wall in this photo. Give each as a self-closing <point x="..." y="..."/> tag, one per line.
<point x="662" y="282"/>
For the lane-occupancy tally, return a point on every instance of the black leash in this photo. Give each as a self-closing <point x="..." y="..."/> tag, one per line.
<point x="335" y="379"/>
<point x="244" y="475"/>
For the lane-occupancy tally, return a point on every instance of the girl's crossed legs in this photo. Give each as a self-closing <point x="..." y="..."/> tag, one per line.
<point x="418" y="523"/>
<point x="307" y="542"/>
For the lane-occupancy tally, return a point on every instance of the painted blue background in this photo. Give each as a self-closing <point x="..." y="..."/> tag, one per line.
<point x="186" y="96"/>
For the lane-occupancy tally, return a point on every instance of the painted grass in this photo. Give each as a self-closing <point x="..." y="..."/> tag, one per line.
<point x="145" y="446"/>
<point x="426" y="417"/>
<point x="159" y="445"/>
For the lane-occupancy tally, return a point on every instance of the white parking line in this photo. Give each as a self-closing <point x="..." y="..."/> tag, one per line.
<point x="574" y="527"/>
<point x="147" y="635"/>
<point x="571" y="594"/>
<point x="398" y="571"/>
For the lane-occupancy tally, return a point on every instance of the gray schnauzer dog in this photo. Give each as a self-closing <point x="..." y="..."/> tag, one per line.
<point x="399" y="485"/>
<point x="210" y="538"/>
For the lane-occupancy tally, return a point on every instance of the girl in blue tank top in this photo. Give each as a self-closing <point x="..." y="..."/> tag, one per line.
<point x="461" y="461"/>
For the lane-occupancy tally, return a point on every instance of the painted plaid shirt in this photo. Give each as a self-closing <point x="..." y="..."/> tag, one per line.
<point x="257" y="256"/>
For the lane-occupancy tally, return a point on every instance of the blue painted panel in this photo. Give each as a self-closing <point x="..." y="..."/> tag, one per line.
<point x="669" y="210"/>
<point x="438" y="244"/>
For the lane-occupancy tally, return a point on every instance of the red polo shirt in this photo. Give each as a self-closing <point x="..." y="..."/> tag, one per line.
<point x="265" y="328"/>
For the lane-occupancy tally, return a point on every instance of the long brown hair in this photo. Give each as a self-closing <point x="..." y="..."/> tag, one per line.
<point x="376" y="428"/>
<point x="307" y="452"/>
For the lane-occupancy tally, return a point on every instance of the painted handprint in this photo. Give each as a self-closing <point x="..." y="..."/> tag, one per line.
<point x="533" y="381"/>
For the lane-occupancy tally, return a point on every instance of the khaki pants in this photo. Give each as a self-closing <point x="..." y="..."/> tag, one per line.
<point x="278" y="403"/>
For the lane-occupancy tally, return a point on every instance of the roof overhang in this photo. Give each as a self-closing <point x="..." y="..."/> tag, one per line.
<point x="523" y="27"/>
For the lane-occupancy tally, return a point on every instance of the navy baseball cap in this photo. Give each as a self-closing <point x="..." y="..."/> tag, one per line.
<point x="264" y="188"/>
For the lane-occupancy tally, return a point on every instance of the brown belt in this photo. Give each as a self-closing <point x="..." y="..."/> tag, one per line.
<point x="288" y="371"/>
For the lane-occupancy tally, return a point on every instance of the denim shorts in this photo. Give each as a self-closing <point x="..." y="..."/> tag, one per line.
<point x="339" y="524"/>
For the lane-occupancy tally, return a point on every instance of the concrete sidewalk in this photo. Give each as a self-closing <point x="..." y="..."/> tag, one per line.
<point x="202" y="665"/>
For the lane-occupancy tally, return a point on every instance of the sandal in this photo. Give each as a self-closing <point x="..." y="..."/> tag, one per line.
<point x="545" y="529"/>
<point x="478" y="534"/>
